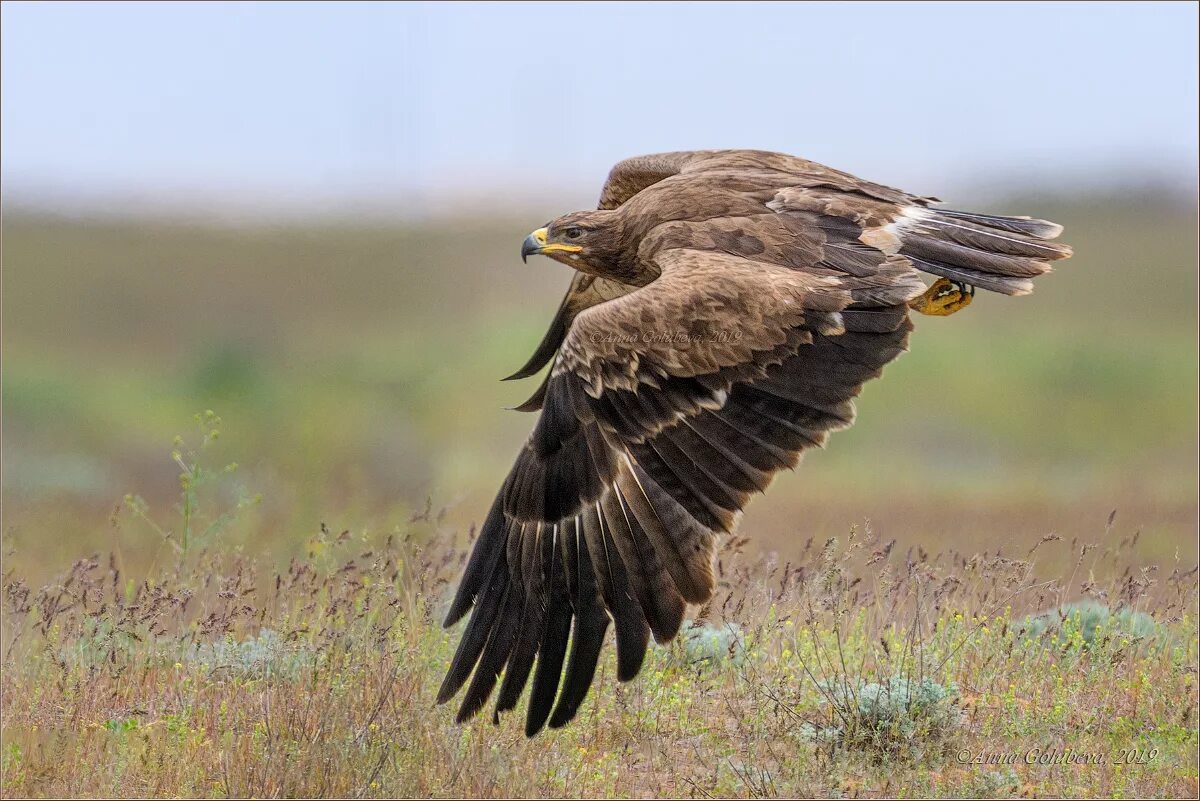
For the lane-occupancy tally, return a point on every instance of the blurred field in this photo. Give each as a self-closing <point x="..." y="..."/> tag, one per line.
<point x="219" y="676"/>
<point x="356" y="368"/>
<point x="224" y="641"/>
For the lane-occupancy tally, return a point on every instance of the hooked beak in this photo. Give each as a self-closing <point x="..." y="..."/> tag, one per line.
<point x="534" y="244"/>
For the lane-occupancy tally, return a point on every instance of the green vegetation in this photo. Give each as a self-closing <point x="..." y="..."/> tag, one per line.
<point x="853" y="670"/>
<point x="1088" y="624"/>
<point x="253" y="610"/>
<point x="704" y="644"/>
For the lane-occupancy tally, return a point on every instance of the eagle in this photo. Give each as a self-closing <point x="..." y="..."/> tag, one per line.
<point x="726" y="308"/>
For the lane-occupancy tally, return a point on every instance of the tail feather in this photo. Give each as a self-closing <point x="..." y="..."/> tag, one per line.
<point x="1041" y="229"/>
<point x="981" y="237"/>
<point x="1000" y="254"/>
<point x="1012" y="285"/>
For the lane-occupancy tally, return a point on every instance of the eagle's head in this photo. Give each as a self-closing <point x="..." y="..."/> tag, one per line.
<point x="589" y="241"/>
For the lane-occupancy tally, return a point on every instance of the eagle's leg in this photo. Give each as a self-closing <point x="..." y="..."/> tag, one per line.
<point x="943" y="298"/>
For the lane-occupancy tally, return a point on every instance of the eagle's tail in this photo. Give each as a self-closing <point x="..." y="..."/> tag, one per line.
<point x="1003" y="254"/>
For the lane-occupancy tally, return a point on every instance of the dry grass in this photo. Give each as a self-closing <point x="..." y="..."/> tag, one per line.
<point x="218" y="675"/>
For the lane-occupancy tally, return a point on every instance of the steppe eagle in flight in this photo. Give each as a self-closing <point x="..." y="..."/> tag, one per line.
<point x="728" y="305"/>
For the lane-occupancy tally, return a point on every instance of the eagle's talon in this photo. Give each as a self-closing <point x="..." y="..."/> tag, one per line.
<point x="944" y="297"/>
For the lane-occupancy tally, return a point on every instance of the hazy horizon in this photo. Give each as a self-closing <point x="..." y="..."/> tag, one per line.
<point x="265" y="109"/>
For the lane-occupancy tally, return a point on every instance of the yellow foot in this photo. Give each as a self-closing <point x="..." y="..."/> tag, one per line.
<point x="943" y="298"/>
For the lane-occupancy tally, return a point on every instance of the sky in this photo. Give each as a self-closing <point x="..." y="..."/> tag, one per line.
<point x="427" y="105"/>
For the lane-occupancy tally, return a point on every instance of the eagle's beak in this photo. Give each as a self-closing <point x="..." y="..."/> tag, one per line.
<point x="534" y="244"/>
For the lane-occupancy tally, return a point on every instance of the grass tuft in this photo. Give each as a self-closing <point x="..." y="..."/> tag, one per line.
<point x="856" y="669"/>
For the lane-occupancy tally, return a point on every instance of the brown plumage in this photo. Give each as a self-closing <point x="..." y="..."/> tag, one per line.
<point x="728" y="307"/>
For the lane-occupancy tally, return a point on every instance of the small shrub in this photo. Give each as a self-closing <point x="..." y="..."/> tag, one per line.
<point x="1089" y="624"/>
<point x="996" y="783"/>
<point x="898" y="715"/>
<point x="120" y="725"/>
<point x="708" y="645"/>
<point x="260" y="657"/>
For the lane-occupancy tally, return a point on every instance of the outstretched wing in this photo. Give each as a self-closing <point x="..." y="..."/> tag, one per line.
<point x="667" y="408"/>
<point x="630" y="176"/>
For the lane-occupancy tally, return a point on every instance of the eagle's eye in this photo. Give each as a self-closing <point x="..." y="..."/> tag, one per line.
<point x="574" y="232"/>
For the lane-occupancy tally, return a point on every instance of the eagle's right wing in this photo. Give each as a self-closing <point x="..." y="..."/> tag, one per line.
<point x="667" y="408"/>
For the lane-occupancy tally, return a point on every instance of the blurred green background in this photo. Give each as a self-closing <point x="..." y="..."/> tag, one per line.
<point x="306" y="217"/>
<point x="356" y="368"/>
